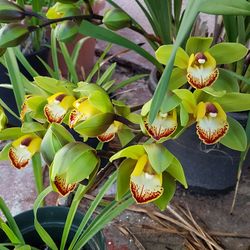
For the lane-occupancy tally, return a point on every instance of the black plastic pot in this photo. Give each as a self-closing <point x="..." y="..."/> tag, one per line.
<point x="7" y="95"/>
<point x="208" y="169"/>
<point x="53" y="220"/>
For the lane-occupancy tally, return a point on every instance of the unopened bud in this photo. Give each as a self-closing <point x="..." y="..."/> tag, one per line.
<point x="116" y="19"/>
<point x="13" y="34"/>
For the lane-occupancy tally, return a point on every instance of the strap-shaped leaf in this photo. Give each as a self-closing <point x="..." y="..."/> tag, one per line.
<point x="225" y="7"/>
<point x="98" y="32"/>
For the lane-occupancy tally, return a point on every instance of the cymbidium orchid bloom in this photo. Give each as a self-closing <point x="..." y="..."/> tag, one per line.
<point x="142" y="171"/>
<point x="72" y="164"/>
<point x="212" y="122"/>
<point x="109" y="134"/>
<point x="201" y="71"/>
<point x="164" y="125"/>
<point x="93" y="113"/>
<point x="57" y="107"/>
<point x="22" y="150"/>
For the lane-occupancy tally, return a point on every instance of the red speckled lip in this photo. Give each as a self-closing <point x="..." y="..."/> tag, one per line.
<point x="17" y="162"/>
<point x="63" y="188"/>
<point x="209" y="135"/>
<point x="200" y="83"/>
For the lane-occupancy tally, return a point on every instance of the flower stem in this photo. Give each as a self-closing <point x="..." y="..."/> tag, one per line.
<point x="126" y="122"/>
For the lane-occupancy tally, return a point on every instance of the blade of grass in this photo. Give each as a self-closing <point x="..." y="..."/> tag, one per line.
<point x="54" y="54"/>
<point x="69" y="63"/>
<point x="25" y="62"/>
<point x="102" y="220"/>
<point x="77" y="49"/>
<point x="40" y="230"/>
<point x="126" y="82"/>
<point x="98" y="32"/>
<point x="92" y="208"/>
<point x="9" y="233"/>
<point x="107" y="74"/>
<point x="15" y="77"/>
<point x="48" y="68"/>
<point x="12" y="223"/>
<point x="38" y="172"/>
<point x="98" y="62"/>
<point x="5" y="106"/>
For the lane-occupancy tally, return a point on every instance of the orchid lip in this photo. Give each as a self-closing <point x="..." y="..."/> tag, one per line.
<point x="63" y="188"/>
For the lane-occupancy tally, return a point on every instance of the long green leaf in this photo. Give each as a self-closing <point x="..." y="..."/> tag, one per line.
<point x="126" y="82"/>
<point x="11" y="222"/>
<point x="102" y="220"/>
<point x="38" y="172"/>
<point x="15" y="77"/>
<point x="98" y="32"/>
<point x="69" y="63"/>
<point x="25" y="62"/>
<point x="77" y="49"/>
<point x="92" y="208"/>
<point x="40" y="230"/>
<point x="98" y="62"/>
<point x="70" y="216"/>
<point x="225" y="7"/>
<point x="54" y="54"/>
<point x="5" y="106"/>
<point x="191" y="12"/>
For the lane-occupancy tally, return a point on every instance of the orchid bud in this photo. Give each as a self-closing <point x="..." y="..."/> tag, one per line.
<point x="93" y="113"/>
<point x="72" y="164"/>
<point x="116" y="19"/>
<point x="55" y="138"/>
<point x="13" y="34"/>
<point x="10" y="12"/>
<point x="66" y="31"/>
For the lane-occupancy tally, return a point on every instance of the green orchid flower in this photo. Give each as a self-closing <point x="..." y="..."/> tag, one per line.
<point x="22" y="150"/>
<point x="164" y="125"/>
<point x="145" y="171"/>
<point x="72" y="164"/>
<point x="93" y="112"/>
<point x="198" y="62"/>
<point x="208" y="109"/>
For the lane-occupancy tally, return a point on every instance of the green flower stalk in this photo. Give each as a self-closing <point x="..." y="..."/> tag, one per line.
<point x="72" y="164"/>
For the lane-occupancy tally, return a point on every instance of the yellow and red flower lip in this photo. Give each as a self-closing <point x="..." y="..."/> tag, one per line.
<point x="23" y="149"/>
<point x="163" y="126"/>
<point x="109" y="134"/>
<point x="145" y="183"/>
<point x="212" y="123"/>
<point x="202" y="71"/>
<point x="63" y="188"/>
<point x="57" y="107"/>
